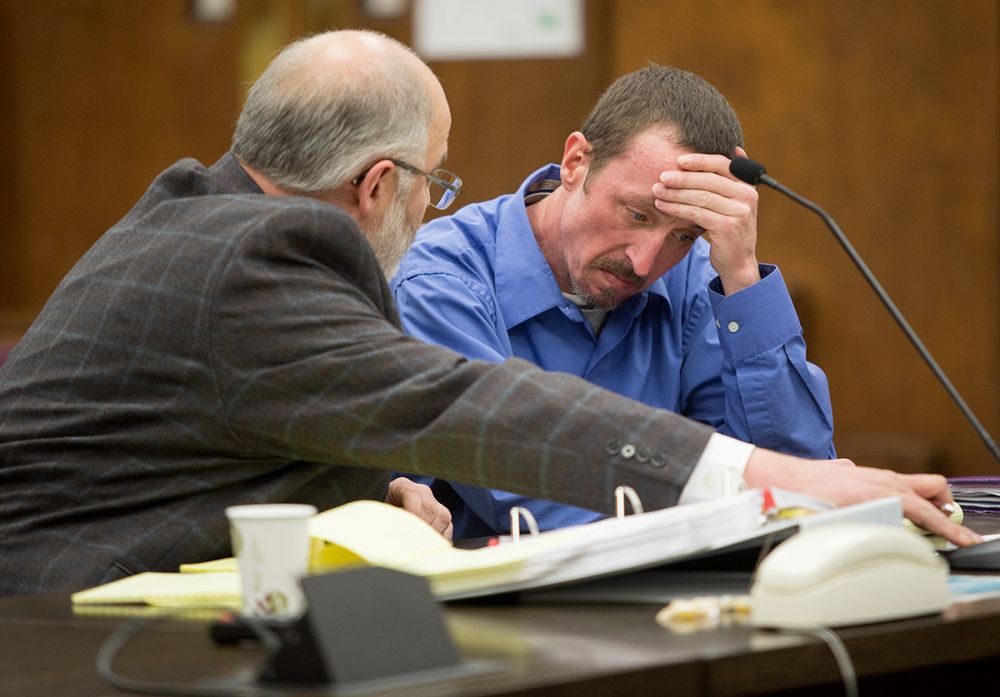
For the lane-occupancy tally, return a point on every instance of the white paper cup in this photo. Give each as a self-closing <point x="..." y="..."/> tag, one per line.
<point x="271" y="543"/>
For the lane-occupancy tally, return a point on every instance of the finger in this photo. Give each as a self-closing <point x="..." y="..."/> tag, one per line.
<point x="740" y="152"/>
<point x="707" y="181"/>
<point x="397" y="492"/>
<point x="929" y="517"/>
<point x="413" y="502"/>
<point x="700" y="162"/>
<point x="436" y="512"/>
<point x="438" y="523"/>
<point x="702" y="198"/>
<point x="448" y="532"/>
<point x="441" y="517"/>
<point x="696" y="215"/>
<point x="931" y="486"/>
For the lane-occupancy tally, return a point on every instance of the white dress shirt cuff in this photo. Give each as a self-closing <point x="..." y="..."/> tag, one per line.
<point x="719" y="472"/>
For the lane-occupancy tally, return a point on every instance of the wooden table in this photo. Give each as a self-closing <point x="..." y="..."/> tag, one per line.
<point x="538" y="648"/>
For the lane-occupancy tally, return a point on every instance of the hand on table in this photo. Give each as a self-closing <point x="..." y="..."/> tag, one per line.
<point x="419" y="500"/>
<point x="842" y="483"/>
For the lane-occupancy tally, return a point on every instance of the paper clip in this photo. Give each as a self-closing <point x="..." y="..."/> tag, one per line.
<point x="633" y="498"/>
<point x="516" y="513"/>
<point x="769" y="509"/>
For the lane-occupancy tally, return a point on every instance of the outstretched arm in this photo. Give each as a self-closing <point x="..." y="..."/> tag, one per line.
<point x="842" y="483"/>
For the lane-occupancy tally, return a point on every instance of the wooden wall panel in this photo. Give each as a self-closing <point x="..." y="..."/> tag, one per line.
<point x="99" y="96"/>
<point x="886" y="114"/>
<point x="508" y="116"/>
<point x="883" y="111"/>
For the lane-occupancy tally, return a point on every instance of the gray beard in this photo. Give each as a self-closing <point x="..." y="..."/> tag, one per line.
<point x="392" y="237"/>
<point x="604" y="299"/>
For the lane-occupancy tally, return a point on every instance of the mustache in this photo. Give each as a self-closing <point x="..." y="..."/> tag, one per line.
<point x="621" y="268"/>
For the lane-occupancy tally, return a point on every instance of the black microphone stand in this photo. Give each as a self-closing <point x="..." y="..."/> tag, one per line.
<point x="753" y="173"/>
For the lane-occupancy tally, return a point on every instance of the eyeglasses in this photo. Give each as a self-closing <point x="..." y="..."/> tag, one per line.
<point x="444" y="186"/>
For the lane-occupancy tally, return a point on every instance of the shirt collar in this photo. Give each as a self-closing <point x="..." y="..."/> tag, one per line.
<point x="525" y="284"/>
<point x="230" y="177"/>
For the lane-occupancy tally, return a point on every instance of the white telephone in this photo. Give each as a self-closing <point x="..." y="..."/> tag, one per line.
<point x="850" y="573"/>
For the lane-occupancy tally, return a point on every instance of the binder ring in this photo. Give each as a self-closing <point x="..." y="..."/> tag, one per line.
<point x="516" y="514"/>
<point x="633" y="498"/>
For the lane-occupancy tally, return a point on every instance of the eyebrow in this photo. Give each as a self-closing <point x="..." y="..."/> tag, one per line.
<point x="636" y="201"/>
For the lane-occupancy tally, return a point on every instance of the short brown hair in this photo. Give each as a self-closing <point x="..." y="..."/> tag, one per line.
<point x="660" y="95"/>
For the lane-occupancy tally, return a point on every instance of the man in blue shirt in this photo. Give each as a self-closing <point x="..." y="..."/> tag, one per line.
<point x="632" y="264"/>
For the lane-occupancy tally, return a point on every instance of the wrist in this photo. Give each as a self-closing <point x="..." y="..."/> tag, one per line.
<point x="768" y="468"/>
<point x="735" y="281"/>
<point x="755" y="473"/>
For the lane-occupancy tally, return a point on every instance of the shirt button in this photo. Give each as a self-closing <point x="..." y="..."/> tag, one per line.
<point x="628" y="451"/>
<point x="718" y="323"/>
<point x="733" y="327"/>
<point x="613" y="447"/>
<point x="643" y="454"/>
<point x="658" y="460"/>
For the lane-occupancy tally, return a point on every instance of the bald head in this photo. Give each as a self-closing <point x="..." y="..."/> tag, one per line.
<point x="343" y="59"/>
<point x="329" y="105"/>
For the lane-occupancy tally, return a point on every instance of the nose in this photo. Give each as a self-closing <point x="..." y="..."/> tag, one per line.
<point x="642" y="253"/>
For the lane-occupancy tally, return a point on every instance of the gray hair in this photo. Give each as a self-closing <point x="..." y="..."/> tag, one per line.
<point x="311" y="124"/>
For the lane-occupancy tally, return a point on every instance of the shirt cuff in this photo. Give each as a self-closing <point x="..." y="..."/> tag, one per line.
<point x="719" y="472"/>
<point x="756" y="320"/>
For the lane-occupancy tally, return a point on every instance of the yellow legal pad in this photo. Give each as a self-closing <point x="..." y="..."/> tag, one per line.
<point x="377" y="534"/>
<point x="357" y="533"/>
<point x="216" y="590"/>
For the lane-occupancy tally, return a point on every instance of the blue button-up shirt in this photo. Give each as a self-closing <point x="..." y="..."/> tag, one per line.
<point x="477" y="282"/>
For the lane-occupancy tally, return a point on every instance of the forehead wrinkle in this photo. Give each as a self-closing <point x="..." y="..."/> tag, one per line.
<point x="639" y="160"/>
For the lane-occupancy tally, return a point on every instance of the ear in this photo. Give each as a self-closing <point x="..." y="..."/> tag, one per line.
<point x="575" y="161"/>
<point x="375" y="190"/>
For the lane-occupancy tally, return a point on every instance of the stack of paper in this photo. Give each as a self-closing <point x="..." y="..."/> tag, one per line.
<point x="977" y="494"/>
<point x="369" y="532"/>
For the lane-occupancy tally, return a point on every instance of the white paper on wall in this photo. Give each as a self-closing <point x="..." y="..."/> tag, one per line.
<point x="483" y="29"/>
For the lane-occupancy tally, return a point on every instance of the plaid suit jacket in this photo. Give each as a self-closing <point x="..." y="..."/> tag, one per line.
<point x="219" y="346"/>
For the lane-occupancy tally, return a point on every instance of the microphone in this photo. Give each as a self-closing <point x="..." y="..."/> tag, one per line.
<point x="754" y="173"/>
